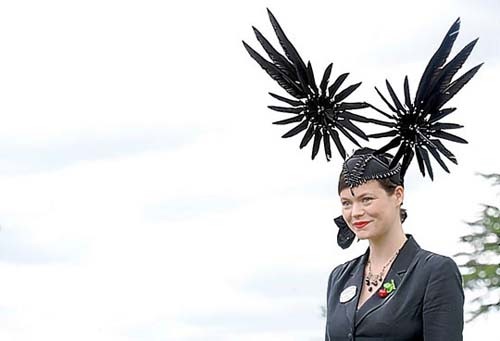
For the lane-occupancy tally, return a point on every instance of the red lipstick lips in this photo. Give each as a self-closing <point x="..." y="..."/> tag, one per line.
<point x="360" y="224"/>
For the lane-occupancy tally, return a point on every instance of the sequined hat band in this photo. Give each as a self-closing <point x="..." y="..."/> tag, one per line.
<point x="365" y="164"/>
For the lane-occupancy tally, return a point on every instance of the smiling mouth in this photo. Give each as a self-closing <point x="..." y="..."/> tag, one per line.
<point x="361" y="224"/>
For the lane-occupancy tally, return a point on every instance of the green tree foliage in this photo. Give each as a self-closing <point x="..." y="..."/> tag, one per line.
<point x="481" y="270"/>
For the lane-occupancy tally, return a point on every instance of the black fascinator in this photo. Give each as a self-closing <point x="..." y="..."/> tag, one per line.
<point x="321" y="112"/>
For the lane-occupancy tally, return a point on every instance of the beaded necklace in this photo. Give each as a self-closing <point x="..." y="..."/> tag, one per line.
<point x="372" y="280"/>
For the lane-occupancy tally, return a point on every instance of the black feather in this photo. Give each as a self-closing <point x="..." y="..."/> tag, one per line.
<point x="382" y="123"/>
<point x="420" y="161"/>
<point x="336" y="139"/>
<point x="283" y="80"/>
<point x="438" y="159"/>
<point x="326" y="78"/>
<point x="407" y="93"/>
<point x="448" y="136"/>
<point x="346" y="92"/>
<point x="449" y="155"/>
<point x="348" y="125"/>
<point x="296" y="130"/>
<point x="335" y="86"/>
<point x="458" y="84"/>
<point x="353" y="105"/>
<point x="437" y="60"/>
<point x="406" y="161"/>
<point x="392" y="144"/>
<point x="310" y="78"/>
<point x="351" y="116"/>
<point x="295" y="110"/>
<point x="307" y="136"/>
<point x="349" y="136"/>
<point x="453" y="66"/>
<point x="286" y="100"/>
<point x="386" y="101"/>
<point x="297" y="118"/>
<point x="385" y="134"/>
<point x="316" y="143"/>
<point x="427" y="161"/>
<point x="403" y="148"/>
<point x="395" y="99"/>
<point x="444" y="126"/>
<point x="289" y="49"/>
<point x="326" y="145"/>
<point x="278" y="59"/>
<point x="440" y="114"/>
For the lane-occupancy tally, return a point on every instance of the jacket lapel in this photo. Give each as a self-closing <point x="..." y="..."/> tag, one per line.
<point x="396" y="273"/>
<point x="356" y="280"/>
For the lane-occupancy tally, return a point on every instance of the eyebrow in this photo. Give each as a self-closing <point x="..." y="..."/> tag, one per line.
<point x="362" y="195"/>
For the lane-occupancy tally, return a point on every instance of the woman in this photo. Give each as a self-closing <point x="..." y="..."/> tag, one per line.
<point x="395" y="290"/>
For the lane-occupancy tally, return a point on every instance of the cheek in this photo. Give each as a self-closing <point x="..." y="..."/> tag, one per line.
<point x="348" y="219"/>
<point x="374" y="211"/>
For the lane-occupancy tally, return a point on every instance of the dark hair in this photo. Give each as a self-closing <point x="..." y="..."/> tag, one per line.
<point x="388" y="186"/>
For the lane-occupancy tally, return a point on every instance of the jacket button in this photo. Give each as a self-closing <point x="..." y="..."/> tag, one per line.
<point x="349" y="336"/>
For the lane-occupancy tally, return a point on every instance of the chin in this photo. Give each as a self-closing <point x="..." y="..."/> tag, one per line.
<point x="363" y="234"/>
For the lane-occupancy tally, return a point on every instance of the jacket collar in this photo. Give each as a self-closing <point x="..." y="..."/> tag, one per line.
<point x="396" y="272"/>
<point x="400" y="264"/>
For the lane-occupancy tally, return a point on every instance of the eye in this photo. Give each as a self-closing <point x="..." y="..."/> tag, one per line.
<point x="346" y="204"/>
<point x="367" y="200"/>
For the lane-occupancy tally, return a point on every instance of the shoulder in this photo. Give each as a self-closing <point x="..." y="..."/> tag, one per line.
<point x="443" y="288"/>
<point x="432" y="261"/>
<point x="342" y="269"/>
<point x="438" y="270"/>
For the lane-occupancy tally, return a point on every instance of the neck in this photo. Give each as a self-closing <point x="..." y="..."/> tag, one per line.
<point x="383" y="248"/>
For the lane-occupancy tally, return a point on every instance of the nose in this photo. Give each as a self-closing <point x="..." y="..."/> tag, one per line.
<point x="357" y="210"/>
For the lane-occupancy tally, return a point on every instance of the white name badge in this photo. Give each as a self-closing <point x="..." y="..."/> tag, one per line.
<point x="347" y="294"/>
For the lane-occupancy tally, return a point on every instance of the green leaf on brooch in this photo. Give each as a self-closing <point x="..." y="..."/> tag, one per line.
<point x="390" y="286"/>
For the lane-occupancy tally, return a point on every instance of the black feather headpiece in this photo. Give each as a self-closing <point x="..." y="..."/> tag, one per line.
<point x="416" y="125"/>
<point x="320" y="110"/>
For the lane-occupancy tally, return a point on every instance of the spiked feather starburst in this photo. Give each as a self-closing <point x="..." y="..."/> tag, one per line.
<point x="416" y="127"/>
<point x="320" y="110"/>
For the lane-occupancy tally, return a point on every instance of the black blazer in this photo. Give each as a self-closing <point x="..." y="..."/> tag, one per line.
<point x="427" y="303"/>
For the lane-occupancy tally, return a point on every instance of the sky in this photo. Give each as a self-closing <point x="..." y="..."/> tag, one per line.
<point x="145" y="194"/>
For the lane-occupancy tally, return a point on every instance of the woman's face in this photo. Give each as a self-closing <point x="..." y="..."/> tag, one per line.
<point x="371" y="213"/>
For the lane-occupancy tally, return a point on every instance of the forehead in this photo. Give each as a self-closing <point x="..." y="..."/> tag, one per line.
<point x="369" y="187"/>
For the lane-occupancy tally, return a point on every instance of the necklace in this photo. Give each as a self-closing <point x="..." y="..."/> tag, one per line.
<point x="372" y="280"/>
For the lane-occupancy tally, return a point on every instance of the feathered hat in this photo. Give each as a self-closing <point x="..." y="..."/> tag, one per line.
<point x="322" y="112"/>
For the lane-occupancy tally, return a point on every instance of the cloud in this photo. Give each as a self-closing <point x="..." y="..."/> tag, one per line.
<point x="19" y="248"/>
<point x="34" y="157"/>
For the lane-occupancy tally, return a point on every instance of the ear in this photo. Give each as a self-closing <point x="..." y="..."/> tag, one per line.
<point x="399" y="193"/>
